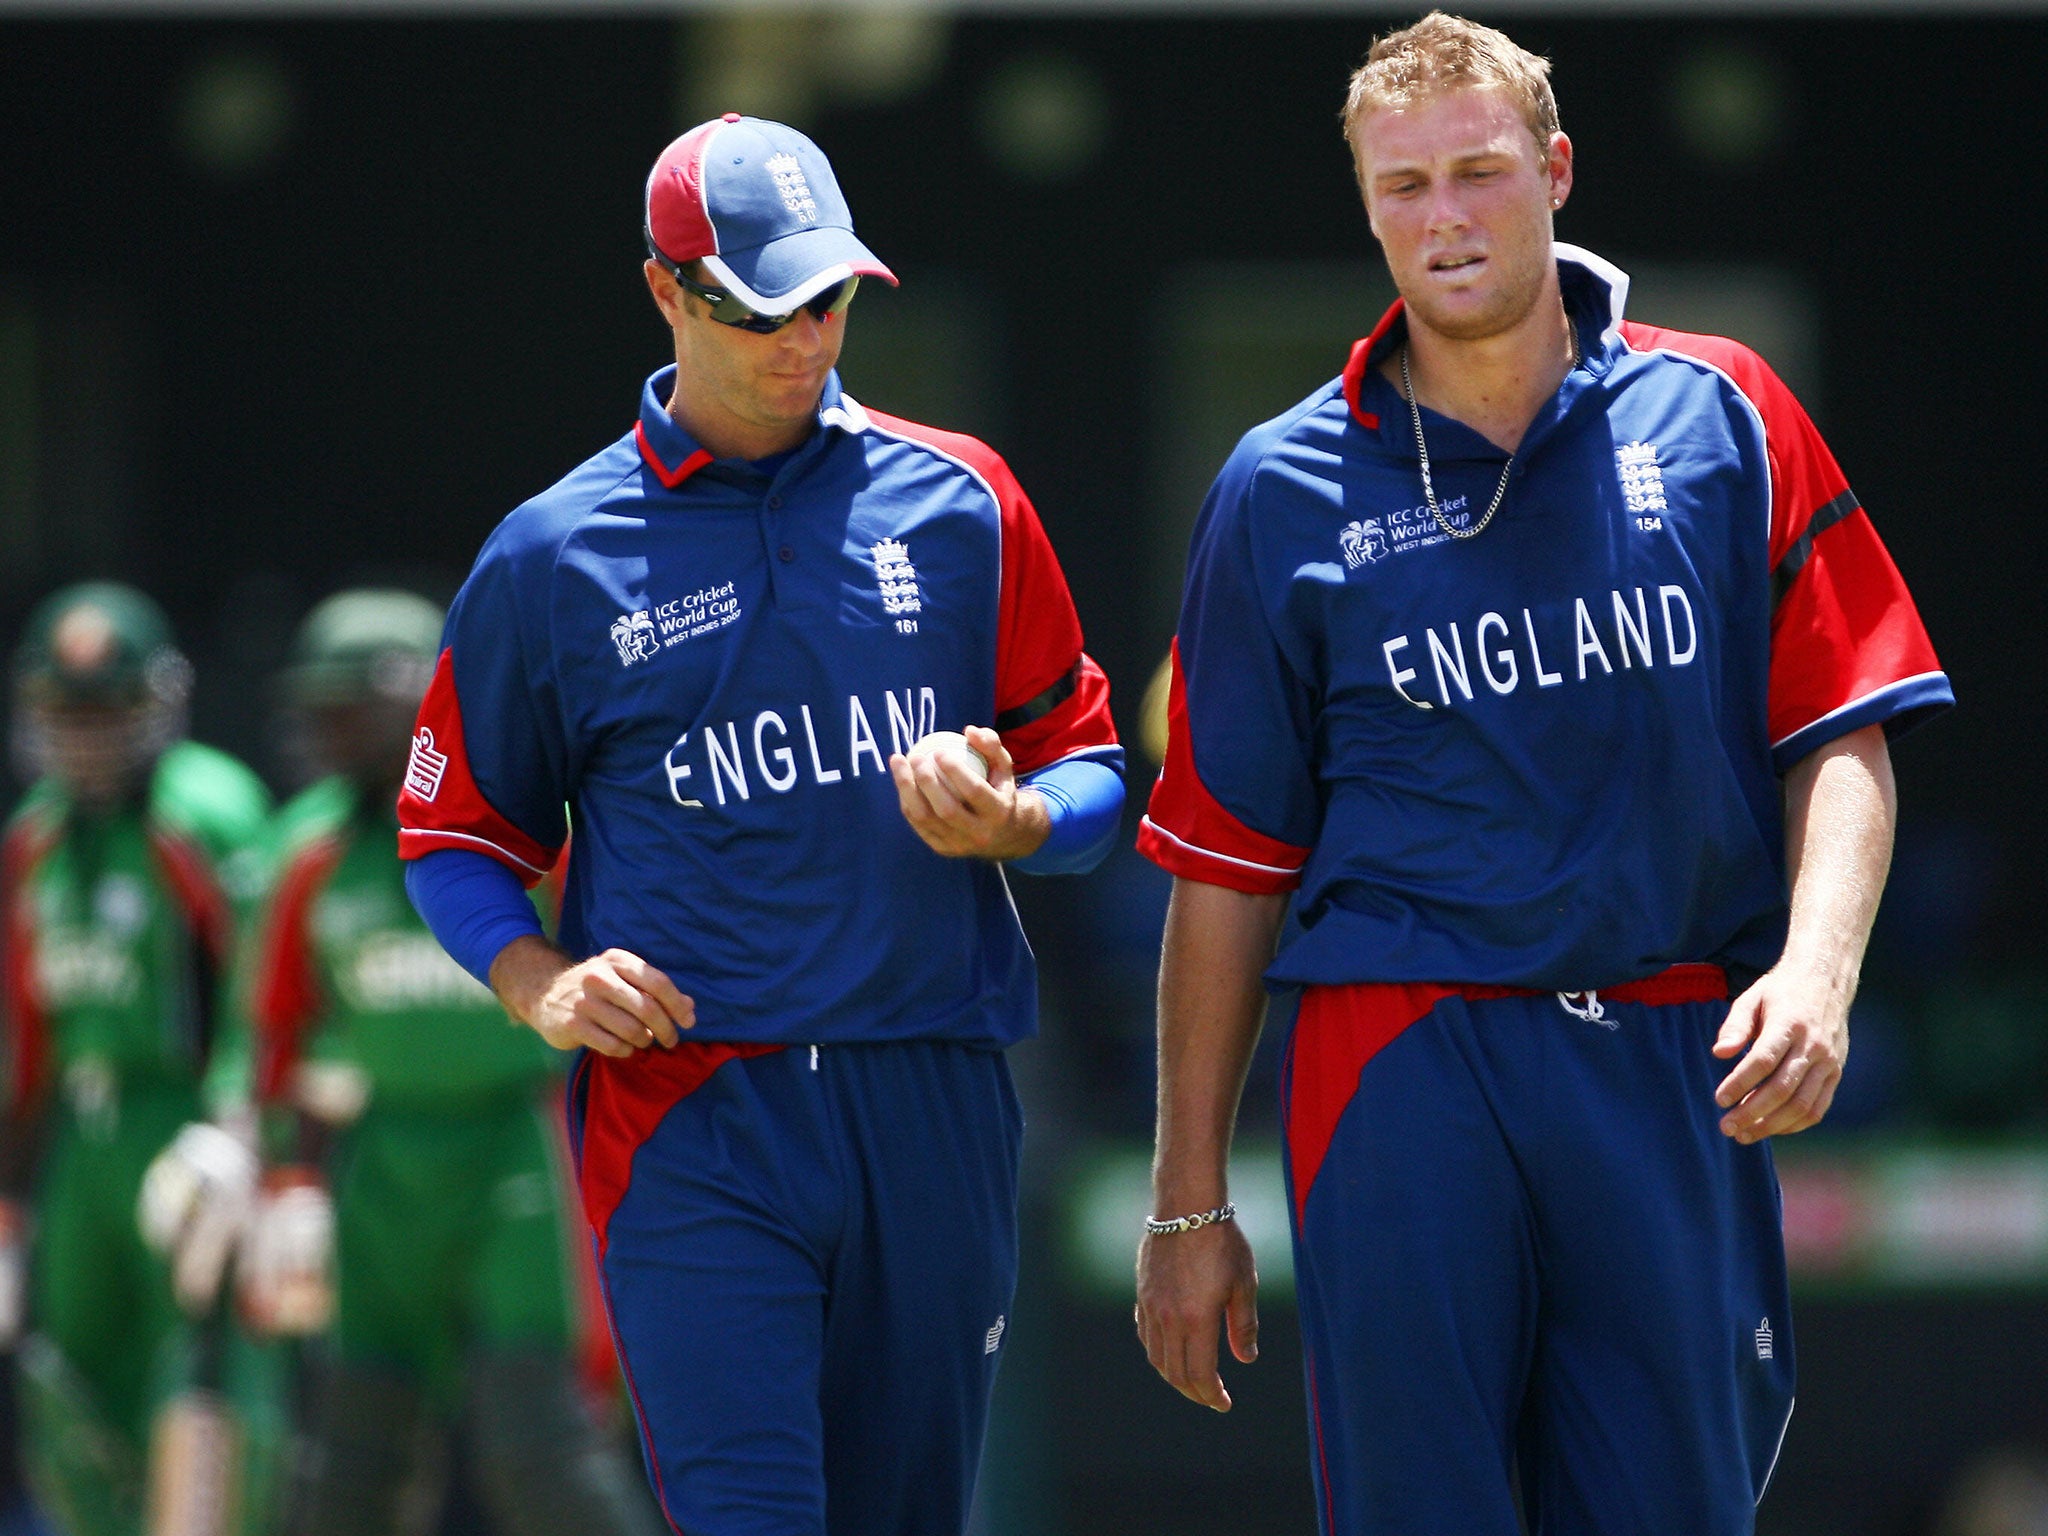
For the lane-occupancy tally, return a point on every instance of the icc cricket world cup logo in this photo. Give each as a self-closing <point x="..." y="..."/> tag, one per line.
<point x="1363" y="543"/>
<point x="634" y="635"/>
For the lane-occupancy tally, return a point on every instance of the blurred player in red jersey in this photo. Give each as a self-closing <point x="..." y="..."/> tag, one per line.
<point x="445" y="1273"/>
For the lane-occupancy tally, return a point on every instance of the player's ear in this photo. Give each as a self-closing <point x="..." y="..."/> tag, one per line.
<point x="1558" y="167"/>
<point x="668" y="294"/>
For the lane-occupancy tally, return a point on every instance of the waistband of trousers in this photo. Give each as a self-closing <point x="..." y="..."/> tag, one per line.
<point x="1688" y="983"/>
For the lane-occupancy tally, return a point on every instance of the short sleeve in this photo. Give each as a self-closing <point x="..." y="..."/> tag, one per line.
<point x="1236" y="803"/>
<point x="1848" y="648"/>
<point x="488" y="769"/>
<point x="1052" y="700"/>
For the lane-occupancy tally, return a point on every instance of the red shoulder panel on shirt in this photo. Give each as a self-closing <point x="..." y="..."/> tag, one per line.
<point x="1804" y="474"/>
<point x="1038" y="633"/>
<point x="1188" y="833"/>
<point x="1844" y="626"/>
<point x="441" y="806"/>
<point x="1846" y="629"/>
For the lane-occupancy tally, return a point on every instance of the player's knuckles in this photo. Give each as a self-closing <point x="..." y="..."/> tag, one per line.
<point x="604" y="1043"/>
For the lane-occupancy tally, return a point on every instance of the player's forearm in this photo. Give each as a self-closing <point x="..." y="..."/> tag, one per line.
<point x="1211" y="1005"/>
<point x="1840" y="810"/>
<point x="523" y="972"/>
<point x="1025" y="832"/>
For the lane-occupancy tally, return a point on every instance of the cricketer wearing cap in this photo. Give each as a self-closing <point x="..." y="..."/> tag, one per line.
<point x="1533" y="656"/>
<point x="787" y="950"/>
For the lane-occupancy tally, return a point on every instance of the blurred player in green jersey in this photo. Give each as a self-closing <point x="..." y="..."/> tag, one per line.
<point x="118" y="892"/>
<point x="389" y="1077"/>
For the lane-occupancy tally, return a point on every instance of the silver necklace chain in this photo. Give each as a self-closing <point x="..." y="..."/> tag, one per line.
<point x="1422" y="452"/>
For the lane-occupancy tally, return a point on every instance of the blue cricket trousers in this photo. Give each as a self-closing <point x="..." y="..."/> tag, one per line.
<point x="808" y="1257"/>
<point x="1524" y="1248"/>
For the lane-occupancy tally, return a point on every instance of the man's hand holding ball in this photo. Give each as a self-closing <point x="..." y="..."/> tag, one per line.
<point x="958" y="790"/>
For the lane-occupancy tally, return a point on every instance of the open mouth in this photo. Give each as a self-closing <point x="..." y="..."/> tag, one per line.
<point x="1454" y="263"/>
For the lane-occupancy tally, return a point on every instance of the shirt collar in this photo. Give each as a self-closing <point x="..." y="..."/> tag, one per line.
<point x="1594" y="293"/>
<point x="672" y="455"/>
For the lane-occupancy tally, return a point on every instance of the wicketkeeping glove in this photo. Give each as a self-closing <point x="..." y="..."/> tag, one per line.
<point x="195" y="1203"/>
<point x="284" y="1281"/>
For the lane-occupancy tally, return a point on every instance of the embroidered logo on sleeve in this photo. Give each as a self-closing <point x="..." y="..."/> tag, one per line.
<point x="1642" y="482"/>
<point x="993" y="1339"/>
<point x="423" y="770"/>
<point x="1765" y="1341"/>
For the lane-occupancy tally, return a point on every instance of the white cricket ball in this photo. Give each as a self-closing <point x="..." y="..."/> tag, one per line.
<point x="953" y="745"/>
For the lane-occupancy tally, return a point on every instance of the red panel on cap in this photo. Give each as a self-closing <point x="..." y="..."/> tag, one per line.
<point x="676" y="214"/>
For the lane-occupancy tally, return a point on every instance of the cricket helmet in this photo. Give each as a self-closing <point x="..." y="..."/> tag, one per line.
<point x="364" y="645"/>
<point x="100" y="689"/>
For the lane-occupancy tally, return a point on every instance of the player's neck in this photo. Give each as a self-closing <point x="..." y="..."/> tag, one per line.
<point x="1493" y="384"/>
<point x="726" y="436"/>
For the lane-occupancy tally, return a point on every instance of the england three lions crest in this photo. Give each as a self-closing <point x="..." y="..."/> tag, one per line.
<point x="1363" y="542"/>
<point x="635" y="636"/>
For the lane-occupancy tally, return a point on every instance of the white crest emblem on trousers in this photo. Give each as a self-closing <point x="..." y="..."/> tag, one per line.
<point x="634" y="634"/>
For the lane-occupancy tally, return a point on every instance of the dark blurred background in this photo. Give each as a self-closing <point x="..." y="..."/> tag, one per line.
<point x="293" y="304"/>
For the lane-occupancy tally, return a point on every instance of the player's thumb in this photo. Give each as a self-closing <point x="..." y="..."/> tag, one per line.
<point x="990" y="745"/>
<point x="1242" y="1319"/>
<point x="1740" y="1025"/>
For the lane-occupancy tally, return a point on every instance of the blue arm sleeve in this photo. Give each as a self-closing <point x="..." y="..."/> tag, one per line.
<point x="1086" y="798"/>
<point x="474" y="905"/>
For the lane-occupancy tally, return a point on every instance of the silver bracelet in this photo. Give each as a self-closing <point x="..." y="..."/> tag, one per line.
<point x="1158" y="1228"/>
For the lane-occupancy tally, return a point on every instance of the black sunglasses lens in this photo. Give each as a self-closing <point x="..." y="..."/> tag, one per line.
<point x="727" y="310"/>
<point x="833" y="300"/>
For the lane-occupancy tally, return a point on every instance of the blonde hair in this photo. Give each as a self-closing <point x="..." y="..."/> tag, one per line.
<point x="1442" y="53"/>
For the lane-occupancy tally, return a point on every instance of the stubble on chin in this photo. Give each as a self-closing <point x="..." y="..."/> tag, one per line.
<point x="1517" y="264"/>
<point x="1477" y="318"/>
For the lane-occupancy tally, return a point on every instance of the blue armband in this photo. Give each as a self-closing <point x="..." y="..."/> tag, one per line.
<point x="1086" y="798"/>
<point x="473" y="904"/>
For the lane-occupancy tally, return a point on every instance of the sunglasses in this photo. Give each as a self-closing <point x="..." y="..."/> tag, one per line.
<point x="727" y="310"/>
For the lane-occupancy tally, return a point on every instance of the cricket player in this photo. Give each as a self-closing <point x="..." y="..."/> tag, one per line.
<point x="391" y="1083"/>
<point x="1547" y="662"/>
<point x="807" y="680"/>
<point x="123" y="869"/>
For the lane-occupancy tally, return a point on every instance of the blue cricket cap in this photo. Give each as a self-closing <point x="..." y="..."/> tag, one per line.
<point x="758" y="204"/>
